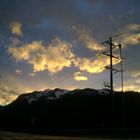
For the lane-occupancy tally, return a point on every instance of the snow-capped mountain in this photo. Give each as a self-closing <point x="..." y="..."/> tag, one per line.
<point x="43" y="95"/>
<point x="57" y="93"/>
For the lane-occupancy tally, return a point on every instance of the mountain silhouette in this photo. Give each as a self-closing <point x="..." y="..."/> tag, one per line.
<point x="77" y="109"/>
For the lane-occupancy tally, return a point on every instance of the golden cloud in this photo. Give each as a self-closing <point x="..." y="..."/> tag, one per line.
<point x="52" y="58"/>
<point x="86" y="38"/>
<point x="56" y="56"/>
<point x="25" y="51"/>
<point x="132" y="36"/>
<point x="79" y="77"/>
<point x="8" y="94"/>
<point x="16" y="28"/>
<point x="93" y="65"/>
<point x="131" y="39"/>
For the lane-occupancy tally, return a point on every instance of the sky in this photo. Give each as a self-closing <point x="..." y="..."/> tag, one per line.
<point x="47" y="44"/>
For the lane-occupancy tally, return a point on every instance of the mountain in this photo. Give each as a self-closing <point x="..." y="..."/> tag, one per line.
<point x="76" y="109"/>
<point x="55" y="94"/>
<point x="42" y="95"/>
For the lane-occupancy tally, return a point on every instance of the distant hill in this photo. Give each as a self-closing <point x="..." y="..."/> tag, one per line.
<point x="76" y="109"/>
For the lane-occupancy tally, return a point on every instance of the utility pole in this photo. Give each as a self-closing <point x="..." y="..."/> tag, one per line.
<point x="111" y="66"/>
<point x="110" y="54"/>
<point x="120" y="49"/>
<point x="123" y="99"/>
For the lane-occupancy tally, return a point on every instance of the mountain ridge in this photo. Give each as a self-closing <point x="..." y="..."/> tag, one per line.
<point x="52" y="94"/>
<point x="76" y="109"/>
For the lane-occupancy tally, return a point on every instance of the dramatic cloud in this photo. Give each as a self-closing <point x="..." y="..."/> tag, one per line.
<point x="25" y="51"/>
<point x="131" y="39"/>
<point x="132" y="36"/>
<point x="56" y="56"/>
<point x="7" y="94"/>
<point x="96" y="65"/>
<point x="11" y="88"/>
<point x="79" y="77"/>
<point x="53" y="58"/>
<point x="86" y="38"/>
<point x="16" y="28"/>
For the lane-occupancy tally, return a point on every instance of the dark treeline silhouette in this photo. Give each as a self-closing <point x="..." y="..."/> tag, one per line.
<point x="80" y="110"/>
